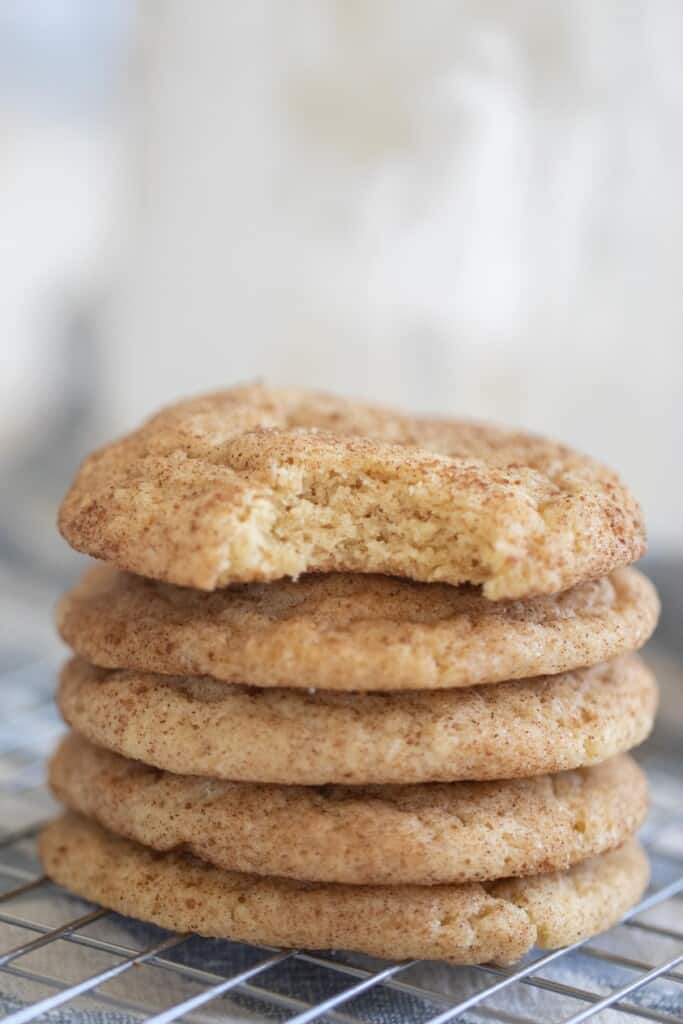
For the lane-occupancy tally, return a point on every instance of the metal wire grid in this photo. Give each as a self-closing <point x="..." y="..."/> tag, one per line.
<point x="64" y="960"/>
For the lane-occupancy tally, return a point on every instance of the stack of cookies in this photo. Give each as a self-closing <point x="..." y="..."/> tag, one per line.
<point x="354" y="679"/>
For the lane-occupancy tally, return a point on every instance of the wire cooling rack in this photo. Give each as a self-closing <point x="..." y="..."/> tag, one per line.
<point x="63" y="960"/>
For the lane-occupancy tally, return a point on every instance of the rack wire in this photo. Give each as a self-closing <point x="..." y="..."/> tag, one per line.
<point x="63" y="960"/>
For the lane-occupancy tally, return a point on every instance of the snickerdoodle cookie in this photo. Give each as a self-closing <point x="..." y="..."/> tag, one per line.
<point x="198" y="726"/>
<point x="259" y="484"/>
<point x="469" y="923"/>
<point x="352" y="632"/>
<point x="381" y="835"/>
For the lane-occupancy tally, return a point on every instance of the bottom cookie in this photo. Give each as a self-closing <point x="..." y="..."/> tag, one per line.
<point x="462" y="924"/>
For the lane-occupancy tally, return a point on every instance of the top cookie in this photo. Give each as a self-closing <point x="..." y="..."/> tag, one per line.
<point x="258" y="484"/>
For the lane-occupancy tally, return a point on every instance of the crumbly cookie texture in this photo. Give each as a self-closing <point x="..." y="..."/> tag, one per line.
<point x="462" y="924"/>
<point x="259" y="484"/>
<point x="197" y="726"/>
<point x="382" y="835"/>
<point x="352" y="632"/>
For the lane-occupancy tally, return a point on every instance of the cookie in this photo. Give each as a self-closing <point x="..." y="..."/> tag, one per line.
<point x="352" y="632"/>
<point x="259" y="484"/>
<point x="198" y="726"/>
<point x="459" y="923"/>
<point x="382" y="835"/>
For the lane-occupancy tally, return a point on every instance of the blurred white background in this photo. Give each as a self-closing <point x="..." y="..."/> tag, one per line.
<point x="467" y="207"/>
